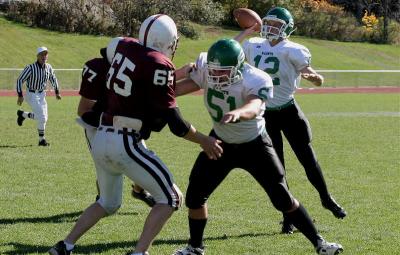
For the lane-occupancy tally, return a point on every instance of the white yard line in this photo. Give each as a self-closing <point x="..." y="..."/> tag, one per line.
<point x="353" y="114"/>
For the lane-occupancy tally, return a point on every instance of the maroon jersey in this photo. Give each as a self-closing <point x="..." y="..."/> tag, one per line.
<point x="140" y="83"/>
<point x="93" y="85"/>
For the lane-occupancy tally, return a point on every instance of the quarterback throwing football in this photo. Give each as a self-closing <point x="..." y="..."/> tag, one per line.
<point x="286" y="62"/>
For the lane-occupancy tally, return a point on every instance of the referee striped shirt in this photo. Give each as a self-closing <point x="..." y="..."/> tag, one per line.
<point x="36" y="77"/>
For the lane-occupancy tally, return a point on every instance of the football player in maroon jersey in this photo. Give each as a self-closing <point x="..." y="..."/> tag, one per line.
<point x="92" y="91"/>
<point x="140" y="98"/>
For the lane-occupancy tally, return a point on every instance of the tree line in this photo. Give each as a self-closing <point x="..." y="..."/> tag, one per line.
<point x="344" y="20"/>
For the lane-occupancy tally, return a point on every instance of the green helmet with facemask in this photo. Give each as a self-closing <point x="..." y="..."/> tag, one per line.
<point x="223" y="55"/>
<point x="282" y="16"/>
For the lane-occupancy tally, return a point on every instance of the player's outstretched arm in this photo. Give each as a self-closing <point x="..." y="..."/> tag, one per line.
<point x="245" y="33"/>
<point x="184" y="71"/>
<point x="184" y="129"/>
<point x="247" y="112"/>
<point x="311" y="75"/>
<point x="209" y="144"/>
<point x="185" y="86"/>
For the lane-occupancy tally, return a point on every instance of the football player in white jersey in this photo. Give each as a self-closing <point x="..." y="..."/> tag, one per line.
<point x="234" y="95"/>
<point x="286" y="62"/>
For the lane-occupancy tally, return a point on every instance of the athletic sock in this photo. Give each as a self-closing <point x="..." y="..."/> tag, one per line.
<point x="302" y="221"/>
<point x="196" y="228"/>
<point x="29" y="115"/>
<point x="41" y="134"/>
<point x="69" y="246"/>
<point x="25" y="114"/>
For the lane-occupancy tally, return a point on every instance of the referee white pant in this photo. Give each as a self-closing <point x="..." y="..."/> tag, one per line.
<point x="116" y="154"/>
<point x="38" y="103"/>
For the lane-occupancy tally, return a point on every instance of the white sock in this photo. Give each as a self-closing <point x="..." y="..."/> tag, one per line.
<point x="69" y="246"/>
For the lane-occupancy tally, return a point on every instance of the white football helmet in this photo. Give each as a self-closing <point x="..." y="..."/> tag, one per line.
<point x="112" y="47"/>
<point x="159" y="33"/>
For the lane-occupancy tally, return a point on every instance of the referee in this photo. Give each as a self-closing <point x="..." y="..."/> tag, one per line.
<point x="36" y="76"/>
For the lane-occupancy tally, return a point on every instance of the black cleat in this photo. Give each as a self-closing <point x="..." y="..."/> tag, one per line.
<point x="43" y="143"/>
<point x="59" y="249"/>
<point x="334" y="207"/>
<point x="20" y="118"/>
<point x="287" y="226"/>
<point x="144" y="196"/>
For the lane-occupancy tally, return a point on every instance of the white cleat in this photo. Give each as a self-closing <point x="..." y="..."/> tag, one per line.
<point x="325" y="248"/>
<point x="189" y="250"/>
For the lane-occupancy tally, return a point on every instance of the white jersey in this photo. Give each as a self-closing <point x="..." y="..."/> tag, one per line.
<point x="220" y="101"/>
<point x="283" y="62"/>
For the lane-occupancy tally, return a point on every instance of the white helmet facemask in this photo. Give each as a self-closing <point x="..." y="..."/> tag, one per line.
<point x="159" y="33"/>
<point x="222" y="81"/>
<point x="272" y="32"/>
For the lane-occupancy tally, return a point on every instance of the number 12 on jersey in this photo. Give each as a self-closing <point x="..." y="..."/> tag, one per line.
<point x="275" y="68"/>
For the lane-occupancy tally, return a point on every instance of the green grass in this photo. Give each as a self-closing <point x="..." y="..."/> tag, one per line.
<point x="19" y="42"/>
<point x="356" y="137"/>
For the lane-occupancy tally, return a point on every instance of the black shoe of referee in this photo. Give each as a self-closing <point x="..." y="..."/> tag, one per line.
<point x="43" y="143"/>
<point x="20" y="118"/>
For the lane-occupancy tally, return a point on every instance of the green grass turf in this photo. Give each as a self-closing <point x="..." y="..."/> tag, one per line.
<point x="19" y="42"/>
<point x="356" y="137"/>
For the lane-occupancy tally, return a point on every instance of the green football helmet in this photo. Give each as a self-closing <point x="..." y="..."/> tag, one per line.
<point x="282" y="16"/>
<point x="225" y="59"/>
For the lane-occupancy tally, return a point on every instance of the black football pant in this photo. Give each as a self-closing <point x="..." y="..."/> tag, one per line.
<point x="257" y="157"/>
<point x="292" y="122"/>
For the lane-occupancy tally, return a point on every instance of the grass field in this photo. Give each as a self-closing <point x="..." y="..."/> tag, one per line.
<point x="18" y="44"/>
<point x="356" y="137"/>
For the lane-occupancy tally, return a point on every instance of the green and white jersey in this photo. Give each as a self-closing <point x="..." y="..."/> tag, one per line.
<point x="220" y="101"/>
<point x="282" y="62"/>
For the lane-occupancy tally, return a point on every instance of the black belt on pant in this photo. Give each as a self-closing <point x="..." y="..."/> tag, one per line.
<point x="35" y="90"/>
<point x="281" y="107"/>
<point x="124" y="131"/>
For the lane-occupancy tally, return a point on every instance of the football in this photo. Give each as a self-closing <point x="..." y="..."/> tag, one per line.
<point x="247" y="18"/>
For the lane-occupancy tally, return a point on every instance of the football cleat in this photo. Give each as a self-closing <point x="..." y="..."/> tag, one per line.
<point x="325" y="248"/>
<point x="43" y="143"/>
<point x="20" y="118"/>
<point x="189" y="250"/>
<point x="144" y="196"/>
<point x="334" y="207"/>
<point x="60" y="249"/>
<point x="287" y="226"/>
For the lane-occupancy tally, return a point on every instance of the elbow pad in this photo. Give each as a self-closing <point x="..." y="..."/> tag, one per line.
<point x="92" y="118"/>
<point x="176" y="123"/>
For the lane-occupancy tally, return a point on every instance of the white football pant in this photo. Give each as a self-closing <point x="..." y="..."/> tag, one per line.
<point x="116" y="155"/>
<point x="38" y="103"/>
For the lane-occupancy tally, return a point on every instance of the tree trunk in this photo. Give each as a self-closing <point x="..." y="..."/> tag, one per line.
<point x="385" y="6"/>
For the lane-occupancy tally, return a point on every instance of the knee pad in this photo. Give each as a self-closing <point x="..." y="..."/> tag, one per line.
<point x="109" y="208"/>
